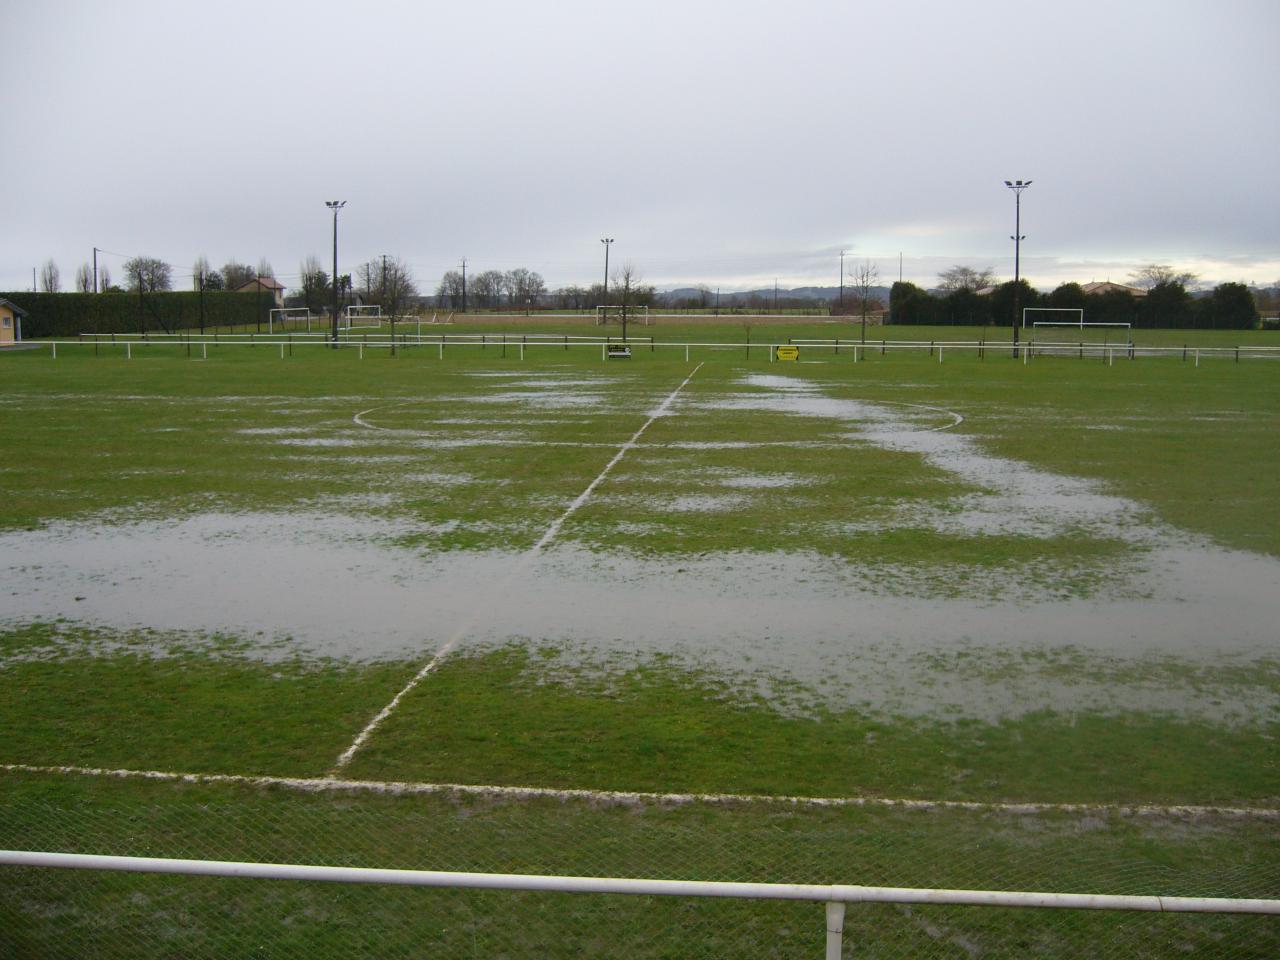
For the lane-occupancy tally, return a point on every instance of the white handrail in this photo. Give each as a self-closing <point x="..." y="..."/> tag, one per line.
<point x="820" y="893"/>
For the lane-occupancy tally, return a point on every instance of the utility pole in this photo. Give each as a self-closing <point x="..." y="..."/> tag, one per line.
<point x="383" y="293"/>
<point x="95" y="269"/>
<point x="33" y="279"/>
<point x="841" y="281"/>
<point x="605" y="293"/>
<point x="335" y="206"/>
<point x="717" y="301"/>
<point x="1017" y="186"/>
<point x="899" y="266"/>
<point x="464" y="284"/>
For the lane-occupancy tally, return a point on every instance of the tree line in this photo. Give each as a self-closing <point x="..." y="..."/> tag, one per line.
<point x="1162" y="299"/>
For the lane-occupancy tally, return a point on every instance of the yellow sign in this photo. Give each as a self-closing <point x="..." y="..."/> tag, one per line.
<point x="788" y="353"/>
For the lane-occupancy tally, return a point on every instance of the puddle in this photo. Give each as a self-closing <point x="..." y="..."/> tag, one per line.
<point x="334" y="586"/>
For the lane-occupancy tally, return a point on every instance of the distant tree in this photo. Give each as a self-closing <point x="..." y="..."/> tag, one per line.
<point x="449" y="291"/>
<point x="488" y="288"/>
<point x="965" y="278"/>
<point x="369" y="279"/>
<point x="313" y="284"/>
<point x="50" y="278"/>
<point x="965" y="307"/>
<point x="1066" y="296"/>
<point x="236" y="275"/>
<point x="1000" y="302"/>
<point x="524" y="287"/>
<point x="104" y="280"/>
<point x="1167" y="304"/>
<point x="630" y="290"/>
<point x="84" y="278"/>
<point x="148" y="274"/>
<point x="213" y="281"/>
<point x="1155" y="274"/>
<point x="397" y="288"/>
<point x="908" y="304"/>
<point x="1114" y="306"/>
<point x="200" y="273"/>
<point x="865" y="277"/>
<point x="1230" y="307"/>
<point x="264" y="268"/>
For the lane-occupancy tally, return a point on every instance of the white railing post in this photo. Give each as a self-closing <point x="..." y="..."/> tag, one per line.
<point x="128" y="351"/>
<point x="835" y="929"/>
<point x="54" y="344"/>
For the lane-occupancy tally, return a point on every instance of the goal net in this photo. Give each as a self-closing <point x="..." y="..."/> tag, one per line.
<point x="612" y="314"/>
<point x="363" y="317"/>
<point x="288" y="318"/>
<point x="1069" y="322"/>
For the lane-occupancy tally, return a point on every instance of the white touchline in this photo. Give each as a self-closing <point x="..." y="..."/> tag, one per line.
<point x="409" y="787"/>
<point x="521" y="565"/>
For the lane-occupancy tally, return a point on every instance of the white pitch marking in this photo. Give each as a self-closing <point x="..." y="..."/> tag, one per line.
<point x="398" y="787"/>
<point x="521" y="565"/>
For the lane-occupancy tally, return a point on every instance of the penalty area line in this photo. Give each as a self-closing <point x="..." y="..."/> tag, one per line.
<point x="635" y="797"/>
<point x="529" y="556"/>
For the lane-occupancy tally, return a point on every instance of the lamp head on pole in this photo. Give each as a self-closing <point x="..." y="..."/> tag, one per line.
<point x="1017" y="186"/>
<point x="335" y="205"/>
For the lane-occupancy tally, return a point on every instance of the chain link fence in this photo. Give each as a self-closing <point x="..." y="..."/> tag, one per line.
<point x="51" y="913"/>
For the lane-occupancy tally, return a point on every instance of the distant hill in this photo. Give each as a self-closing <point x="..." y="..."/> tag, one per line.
<point x="731" y="298"/>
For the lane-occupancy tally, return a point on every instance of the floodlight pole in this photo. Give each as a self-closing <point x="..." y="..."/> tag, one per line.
<point x="841" y="310"/>
<point x="605" y="295"/>
<point x="335" y="206"/>
<point x="1017" y="186"/>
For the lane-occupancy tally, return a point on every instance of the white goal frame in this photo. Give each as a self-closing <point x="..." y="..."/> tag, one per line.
<point x="1078" y="311"/>
<point x="285" y="313"/>
<point x="639" y="314"/>
<point x="362" y="313"/>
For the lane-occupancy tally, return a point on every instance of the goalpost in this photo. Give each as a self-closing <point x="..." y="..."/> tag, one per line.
<point x="1077" y="323"/>
<point x="282" y="317"/>
<point x="613" y="314"/>
<point x="362" y="317"/>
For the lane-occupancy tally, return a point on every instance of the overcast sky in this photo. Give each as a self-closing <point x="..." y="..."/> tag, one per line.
<point x="725" y="143"/>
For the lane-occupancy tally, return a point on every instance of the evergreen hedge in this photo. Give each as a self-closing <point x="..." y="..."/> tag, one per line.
<point x="70" y="314"/>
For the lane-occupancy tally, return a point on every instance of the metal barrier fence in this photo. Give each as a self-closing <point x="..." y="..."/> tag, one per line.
<point x="200" y="871"/>
<point x="856" y="350"/>
<point x="835" y="897"/>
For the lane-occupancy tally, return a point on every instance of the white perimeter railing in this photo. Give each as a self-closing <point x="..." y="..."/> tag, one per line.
<point x="1025" y="350"/>
<point x="834" y="896"/>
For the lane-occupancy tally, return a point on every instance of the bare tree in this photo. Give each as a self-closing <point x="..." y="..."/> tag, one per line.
<point x="314" y="282"/>
<point x="397" y="288"/>
<point x="1154" y="274"/>
<point x="450" y="289"/>
<point x="524" y="287"/>
<point x="369" y="278"/>
<point x="966" y="278"/>
<point x="865" y="277"/>
<point x="84" y="278"/>
<point x="148" y="274"/>
<point x="199" y="272"/>
<point x="104" y="278"/>
<point x="488" y="287"/>
<point x="50" y="278"/>
<point x="625" y="281"/>
<point x="264" y="268"/>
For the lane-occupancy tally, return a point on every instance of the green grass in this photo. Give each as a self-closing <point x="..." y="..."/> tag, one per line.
<point x="70" y="914"/>
<point x="101" y="440"/>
